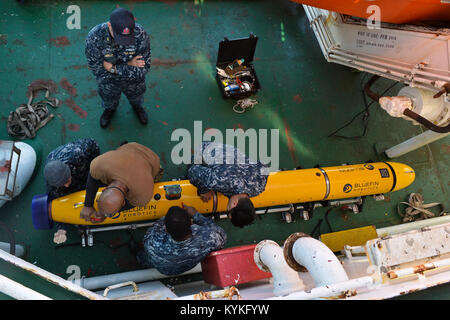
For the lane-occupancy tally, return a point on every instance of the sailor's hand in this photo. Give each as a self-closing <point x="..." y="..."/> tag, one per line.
<point x="136" y="62"/>
<point x="207" y="196"/>
<point x="107" y="65"/>
<point x="97" y="218"/>
<point x="86" y="213"/>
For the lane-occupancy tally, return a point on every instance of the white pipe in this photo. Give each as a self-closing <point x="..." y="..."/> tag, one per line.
<point x="135" y="276"/>
<point x="411" y="66"/>
<point x="316" y="28"/>
<point x="269" y="257"/>
<point x="49" y="276"/>
<point x="350" y="251"/>
<point x="19" y="251"/>
<point x="414" y="143"/>
<point x="216" y="294"/>
<point x="18" y="291"/>
<point x="339" y="290"/>
<point x="382" y="69"/>
<point x="405" y="227"/>
<point x="409" y="78"/>
<point x="121" y="227"/>
<point x="288" y="208"/>
<point x="323" y="265"/>
<point x="418" y="269"/>
<point x="409" y="69"/>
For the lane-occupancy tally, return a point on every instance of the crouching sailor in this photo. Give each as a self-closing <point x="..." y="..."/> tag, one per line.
<point x="128" y="173"/>
<point x="66" y="171"/>
<point x="225" y="169"/>
<point x="180" y="240"/>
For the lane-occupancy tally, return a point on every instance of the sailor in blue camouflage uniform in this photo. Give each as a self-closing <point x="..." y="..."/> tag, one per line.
<point x="118" y="54"/>
<point x="66" y="171"/>
<point x="67" y="167"/>
<point x="179" y="241"/>
<point x="222" y="168"/>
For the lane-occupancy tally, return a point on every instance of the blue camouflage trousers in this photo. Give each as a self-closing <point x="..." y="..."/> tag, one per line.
<point x="110" y="91"/>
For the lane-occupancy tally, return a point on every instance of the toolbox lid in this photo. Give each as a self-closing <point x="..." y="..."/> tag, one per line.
<point x="230" y="50"/>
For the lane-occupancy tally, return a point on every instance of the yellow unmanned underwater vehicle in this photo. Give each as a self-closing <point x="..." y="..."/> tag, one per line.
<point x="283" y="187"/>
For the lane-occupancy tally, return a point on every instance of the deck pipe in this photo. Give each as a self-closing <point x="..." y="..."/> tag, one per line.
<point x="18" y="251"/>
<point x="136" y="276"/>
<point x="11" y="246"/>
<point x="414" y="143"/>
<point x="50" y="277"/>
<point x="302" y="251"/>
<point x="410" y="226"/>
<point x="337" y="290"/>
<point x="18" y="291"/>
<point x="269" y="257"/>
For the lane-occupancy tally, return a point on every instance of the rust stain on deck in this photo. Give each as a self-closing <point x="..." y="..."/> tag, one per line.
<point x="3" y="39"/>
<point x="290" y="142"/>
<point x="73" y="127"/>
<point x="77" y="67"/>
<point x="68" y="87"/>
<point x="92" y="93"/>
<point x="169" y="62"/>
<point x="19" y="42"/>
<point x="60" y="41"/>
<point x="297" y="98"/>
<point x="72" y="105"/>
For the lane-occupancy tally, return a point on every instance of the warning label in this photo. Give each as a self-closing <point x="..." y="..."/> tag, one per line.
<point x="375" y="39"/>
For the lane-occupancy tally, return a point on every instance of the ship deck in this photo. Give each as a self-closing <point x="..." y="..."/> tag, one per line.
<point x="302" y="95"/>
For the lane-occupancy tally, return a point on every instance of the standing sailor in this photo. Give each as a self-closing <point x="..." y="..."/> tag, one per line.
<point x="118" y="54"/>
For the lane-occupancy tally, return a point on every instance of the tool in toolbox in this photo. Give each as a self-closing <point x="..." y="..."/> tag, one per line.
<point x="232" y="68"/>
<point x="235" y="73"/>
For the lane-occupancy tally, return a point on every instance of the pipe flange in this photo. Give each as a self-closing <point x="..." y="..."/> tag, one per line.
<point x="287" y="251"/>
<point x="257" y="251"/>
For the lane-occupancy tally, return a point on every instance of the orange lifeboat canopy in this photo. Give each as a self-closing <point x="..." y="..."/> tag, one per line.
<point x="398" y="12"/>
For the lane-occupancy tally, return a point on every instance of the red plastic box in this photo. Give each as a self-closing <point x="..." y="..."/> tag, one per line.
<point x="232" y="266"/>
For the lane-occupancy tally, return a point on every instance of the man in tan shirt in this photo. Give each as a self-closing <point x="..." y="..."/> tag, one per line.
<point x="128" y="174"/>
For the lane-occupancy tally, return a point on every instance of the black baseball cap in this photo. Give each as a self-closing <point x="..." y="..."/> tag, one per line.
<point x="122" y="23"/>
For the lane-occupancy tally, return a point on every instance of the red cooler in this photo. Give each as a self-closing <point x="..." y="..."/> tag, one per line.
<point x="232" y="266"/>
